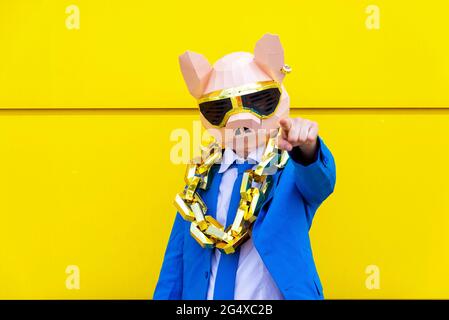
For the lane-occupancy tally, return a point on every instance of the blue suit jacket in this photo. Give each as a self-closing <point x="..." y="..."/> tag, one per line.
<point x="280" y="235"/>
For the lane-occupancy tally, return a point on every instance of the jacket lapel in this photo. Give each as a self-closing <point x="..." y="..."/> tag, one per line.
<point x="271" y="191"/>
<point x="210" y="196"/>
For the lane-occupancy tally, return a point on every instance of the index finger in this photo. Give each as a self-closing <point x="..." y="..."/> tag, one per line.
<point x="286" y="124"/>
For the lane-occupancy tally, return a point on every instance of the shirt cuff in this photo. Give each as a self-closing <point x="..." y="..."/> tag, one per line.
<point x="297" y="155"/>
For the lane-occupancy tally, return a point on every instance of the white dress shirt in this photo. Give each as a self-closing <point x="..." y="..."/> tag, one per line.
<point x="253" y="281"/>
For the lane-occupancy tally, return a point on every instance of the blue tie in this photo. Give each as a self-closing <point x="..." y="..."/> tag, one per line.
<point x="227" y="268"/>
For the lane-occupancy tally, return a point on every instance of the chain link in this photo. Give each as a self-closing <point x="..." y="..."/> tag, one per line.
<point x="256" y="183"/>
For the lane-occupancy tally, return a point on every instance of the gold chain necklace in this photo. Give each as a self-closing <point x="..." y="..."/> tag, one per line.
<point x="207" y="231"/>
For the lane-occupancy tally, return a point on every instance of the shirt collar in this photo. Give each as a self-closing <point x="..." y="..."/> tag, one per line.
<point x="229" y="157"/>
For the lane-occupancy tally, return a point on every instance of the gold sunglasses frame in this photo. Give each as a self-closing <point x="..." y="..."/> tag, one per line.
<point x="235" y="94"/>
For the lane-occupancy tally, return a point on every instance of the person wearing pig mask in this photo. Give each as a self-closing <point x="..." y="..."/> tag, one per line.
<point x="242" y="228"/>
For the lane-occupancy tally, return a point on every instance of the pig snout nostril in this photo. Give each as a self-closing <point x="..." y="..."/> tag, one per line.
<point x="242" y="130"/>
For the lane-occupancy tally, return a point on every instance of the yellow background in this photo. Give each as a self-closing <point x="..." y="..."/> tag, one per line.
<point x="86" y="115"/>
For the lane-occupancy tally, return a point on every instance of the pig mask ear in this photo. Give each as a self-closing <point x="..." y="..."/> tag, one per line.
<point x="269" y="55"/>
<point x="196" y="71"/>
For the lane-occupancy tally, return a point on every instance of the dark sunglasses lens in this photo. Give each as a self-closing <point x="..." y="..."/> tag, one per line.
<point x="215" y="111"/>
<point x="263" y="102"/>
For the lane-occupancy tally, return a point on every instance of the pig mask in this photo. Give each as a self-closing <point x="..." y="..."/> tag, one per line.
<point x="235" y="73"/>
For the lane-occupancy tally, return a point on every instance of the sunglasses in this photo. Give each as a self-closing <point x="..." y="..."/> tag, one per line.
<point x="260" y="98"/>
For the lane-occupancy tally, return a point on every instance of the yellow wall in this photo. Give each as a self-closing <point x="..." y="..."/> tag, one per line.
<point x="85" y="171"/>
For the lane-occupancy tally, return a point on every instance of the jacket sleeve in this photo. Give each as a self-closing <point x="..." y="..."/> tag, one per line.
<point x="315" y="180"/>
<point x="169" y="285"/>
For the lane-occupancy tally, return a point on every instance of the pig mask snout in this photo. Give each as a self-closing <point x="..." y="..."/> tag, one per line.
<point x="243" y="120"/>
